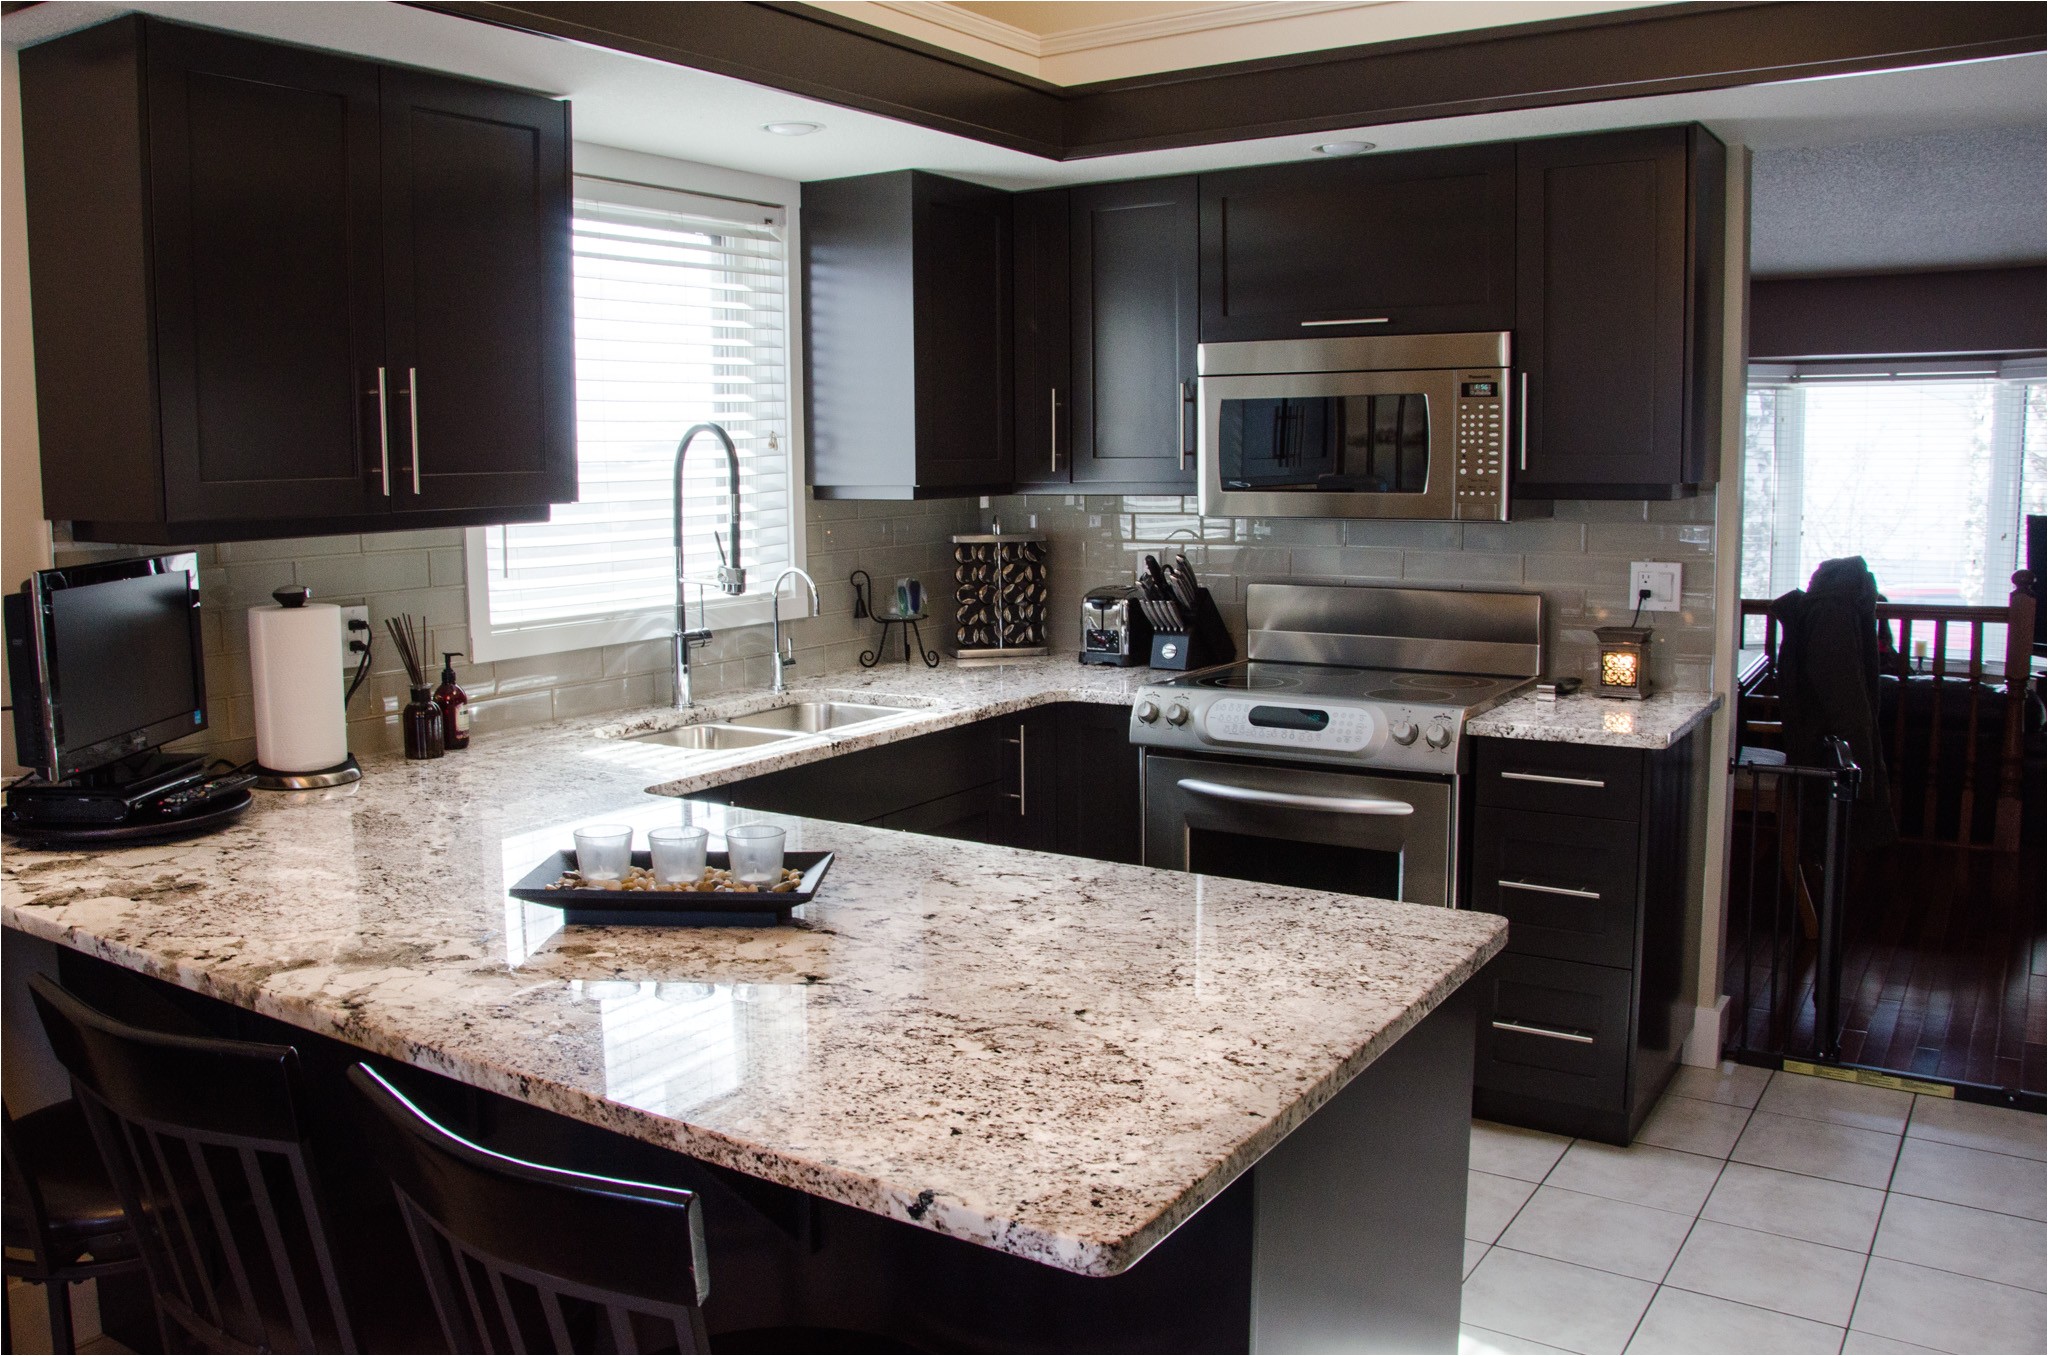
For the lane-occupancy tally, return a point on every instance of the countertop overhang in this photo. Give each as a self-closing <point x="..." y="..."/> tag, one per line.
<point x="1057" y="1058"/>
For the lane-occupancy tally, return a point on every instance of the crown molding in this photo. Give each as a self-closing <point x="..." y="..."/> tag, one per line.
<point x="967" y="23"/>
<point x="1208" y="19"/>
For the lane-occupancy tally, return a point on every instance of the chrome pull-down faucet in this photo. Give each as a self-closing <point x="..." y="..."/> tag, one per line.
<point x="731" y="577"/>
<point x="786" y="659"/>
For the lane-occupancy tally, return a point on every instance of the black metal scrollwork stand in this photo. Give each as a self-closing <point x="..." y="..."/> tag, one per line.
<point x="862" y="593"/>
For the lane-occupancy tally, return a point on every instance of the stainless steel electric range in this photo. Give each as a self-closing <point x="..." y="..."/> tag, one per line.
<point x="1331" y="757"/>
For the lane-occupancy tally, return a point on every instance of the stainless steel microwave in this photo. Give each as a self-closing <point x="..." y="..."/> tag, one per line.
<point x="1394" y="426"/>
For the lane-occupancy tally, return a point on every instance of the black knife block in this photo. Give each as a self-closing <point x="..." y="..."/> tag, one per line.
<point x="1205" y="643"/>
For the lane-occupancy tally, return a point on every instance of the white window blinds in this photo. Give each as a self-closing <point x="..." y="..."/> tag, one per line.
<point x="682" y="318"/>
<point x="1922" y="469"/>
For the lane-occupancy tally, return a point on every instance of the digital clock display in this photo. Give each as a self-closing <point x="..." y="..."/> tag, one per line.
<point x="1288" y="718"/>
<point x="1480" y="390"/>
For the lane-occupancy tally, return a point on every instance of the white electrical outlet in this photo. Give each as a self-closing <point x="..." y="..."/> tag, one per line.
<point x="1663" y="579"/>
<point x="350" y="658"/>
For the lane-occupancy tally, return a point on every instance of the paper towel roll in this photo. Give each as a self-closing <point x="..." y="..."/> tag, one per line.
<point x="295" y="660"/>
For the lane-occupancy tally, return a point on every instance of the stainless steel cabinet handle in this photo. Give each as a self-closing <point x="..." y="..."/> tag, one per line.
<point x="1180" y="422"/>
<point x="1525" y="422"/>
<point x="1593" y="782"/>
<point x="1053" y="425"/>
<point x="383" y="433"/>
<point x="1360" y="320"/>
<point x="1534" y="888"/>
<point x="1019" y="797"/>
<point x="412" y="404"/>
<point x="1548" y="1033"/>
<point x="1340" y="805"/>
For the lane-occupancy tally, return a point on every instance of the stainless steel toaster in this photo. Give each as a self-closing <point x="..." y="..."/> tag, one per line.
<point x="1113" y="630"/>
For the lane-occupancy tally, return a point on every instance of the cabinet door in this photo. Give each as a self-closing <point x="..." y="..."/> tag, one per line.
<point x="1100" y="793"/>
<point x="961" y="290"/>
<point x="1043" y="390"/>
<point x="477" y="294"/>
<point x="1601" y="316"/>
<point x="1135" y="258"/>
<point x="1421" y="242"/>
<point x="263" y="172"/>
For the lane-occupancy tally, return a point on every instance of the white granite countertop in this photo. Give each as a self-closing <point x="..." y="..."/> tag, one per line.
<point x="1057" y="1058"/>
<point x="1657" y="722"/>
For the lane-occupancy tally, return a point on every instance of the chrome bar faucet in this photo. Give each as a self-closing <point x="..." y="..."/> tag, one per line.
<point x="731" y="578"/>
<point x="786" y="659"/>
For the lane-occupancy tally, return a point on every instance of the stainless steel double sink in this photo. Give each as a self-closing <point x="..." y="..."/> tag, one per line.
<point x="771" y="726"/>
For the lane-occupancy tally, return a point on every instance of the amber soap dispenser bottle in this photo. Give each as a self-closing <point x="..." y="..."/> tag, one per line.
<point x="454" y="704"/>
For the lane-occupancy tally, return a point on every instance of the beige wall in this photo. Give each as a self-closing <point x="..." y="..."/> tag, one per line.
<point x="24" y="536"/>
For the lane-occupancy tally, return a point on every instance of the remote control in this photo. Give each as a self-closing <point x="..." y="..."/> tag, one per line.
<point x="198" y="795"/>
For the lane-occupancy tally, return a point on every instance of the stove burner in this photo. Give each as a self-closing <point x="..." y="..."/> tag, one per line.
<point x="1441" y="681"/>
<point x="1416" y="693"/>
<point x="1247" y="682"/>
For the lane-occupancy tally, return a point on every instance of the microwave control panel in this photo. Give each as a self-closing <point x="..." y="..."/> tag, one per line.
<point x="1481" y="429"/>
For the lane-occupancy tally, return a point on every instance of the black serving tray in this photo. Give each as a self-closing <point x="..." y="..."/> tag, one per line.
<point x="672" y="908"/>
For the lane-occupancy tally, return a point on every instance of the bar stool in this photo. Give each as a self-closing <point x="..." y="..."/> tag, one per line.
<point x="204" y="1142"/>
<point x="63" y="1221"/>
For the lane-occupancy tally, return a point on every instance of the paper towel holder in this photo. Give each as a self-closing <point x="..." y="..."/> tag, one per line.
<point x="342" y="773"/>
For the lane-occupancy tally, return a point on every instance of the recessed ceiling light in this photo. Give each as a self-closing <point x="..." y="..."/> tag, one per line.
<point x="1343" y="148"/>
<point x="793" y="129"/>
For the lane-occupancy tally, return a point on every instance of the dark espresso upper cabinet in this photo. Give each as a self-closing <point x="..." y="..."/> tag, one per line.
<point x="225" y="260"/>
<point x="1619" y="313"/>
<point x="907" y="339"/>
<point x="1417" y="242"/>
<point x="1133" y="267"/>
<point x="1044" y="388"/>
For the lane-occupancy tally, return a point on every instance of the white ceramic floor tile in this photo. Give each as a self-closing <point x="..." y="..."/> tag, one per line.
<point x="1473" y="1252"/>
<point x="1490" y="1202"/>
<point x="2000" y="1129"/>
<point x="1947" y="1312"/>
<point x="1697" y="1127"/>
<point x="1974" y="1177"/>
<point x="1813" y="1208"/>
<point x="1555" y="1303"/>
<point x="1509" y="1151"/>
<point x="1569" y="1226"/>
<point x="1870" y="1344"/>
<point x="1789" y="1275"/>
<point x="1980" y="1243"/>
<point x="1479" y="1342"/>
<point x="1681" y="1322"/>
<point x="1731" y="1084"/>
<point x="1841" y="1153"/>
<point x="1642" y="1174"/>
<point x="1828" y="1099"/>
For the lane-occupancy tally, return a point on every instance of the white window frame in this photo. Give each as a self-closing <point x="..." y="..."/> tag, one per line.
<point x="489" y="643"/>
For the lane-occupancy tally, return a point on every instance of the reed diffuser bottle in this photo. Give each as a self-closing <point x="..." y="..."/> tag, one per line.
<point x="421" y="719"/>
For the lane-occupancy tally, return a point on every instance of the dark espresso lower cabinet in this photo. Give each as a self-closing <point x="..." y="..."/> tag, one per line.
<point x="1058" y="778"/>
<point x="1583" y="1016"/>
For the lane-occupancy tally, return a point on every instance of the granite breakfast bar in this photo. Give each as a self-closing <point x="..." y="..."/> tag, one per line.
<point x="1012" y="1075"/>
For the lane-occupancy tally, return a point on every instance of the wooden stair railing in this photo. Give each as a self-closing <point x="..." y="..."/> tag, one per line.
<point x="1908" y="624"/>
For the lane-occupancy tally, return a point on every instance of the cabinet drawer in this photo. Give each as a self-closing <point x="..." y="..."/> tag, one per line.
<point x="1567" y="883"/>
<point x="1571" y="779"/>
<point x="1554" y="1030"/>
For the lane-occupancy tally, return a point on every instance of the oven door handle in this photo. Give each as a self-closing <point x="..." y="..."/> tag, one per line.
<point x="1340" y="805"/>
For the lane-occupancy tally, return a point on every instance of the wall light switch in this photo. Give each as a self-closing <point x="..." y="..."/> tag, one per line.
<point x="1662" y="578"/>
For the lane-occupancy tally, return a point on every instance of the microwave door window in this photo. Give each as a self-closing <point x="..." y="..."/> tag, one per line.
<point x="1279" y="443"/>
<point x="1387" y="447"/>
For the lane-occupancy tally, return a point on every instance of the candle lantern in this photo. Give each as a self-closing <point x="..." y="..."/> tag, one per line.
<point x="1624" y="661"/>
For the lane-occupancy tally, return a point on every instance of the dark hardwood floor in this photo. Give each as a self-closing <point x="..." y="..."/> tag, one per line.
<point x="1943" y="963"/>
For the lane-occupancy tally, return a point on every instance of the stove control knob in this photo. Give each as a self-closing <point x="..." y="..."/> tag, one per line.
<point x="1439" y="736"/>
<point x="1176" y="714"/>
<point x="1147" y="712"/>
<point x="1404" y="732"/>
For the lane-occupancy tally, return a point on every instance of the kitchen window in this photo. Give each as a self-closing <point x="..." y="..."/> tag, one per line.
<point x="683" y="316"/>
<point x="1926" y="470"/>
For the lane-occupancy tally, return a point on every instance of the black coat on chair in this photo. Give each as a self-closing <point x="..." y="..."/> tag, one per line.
<point x="1829" y="656"/>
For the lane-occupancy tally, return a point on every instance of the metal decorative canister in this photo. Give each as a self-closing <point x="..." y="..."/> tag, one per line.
<point x="1001" y="592"/>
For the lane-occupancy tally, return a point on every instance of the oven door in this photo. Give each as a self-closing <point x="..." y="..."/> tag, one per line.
<point x="1329" y="445"/>
<point x="1285" y="824"/>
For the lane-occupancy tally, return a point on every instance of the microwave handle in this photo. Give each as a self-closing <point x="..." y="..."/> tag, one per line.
<point x="1180" y="421"/>
<point x="1341" y="805"/>
<point x="1524" y="460"/>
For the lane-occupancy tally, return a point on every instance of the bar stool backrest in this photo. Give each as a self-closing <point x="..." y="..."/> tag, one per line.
<point x="523" y="1257"/>
<point x="204" y="1144"/>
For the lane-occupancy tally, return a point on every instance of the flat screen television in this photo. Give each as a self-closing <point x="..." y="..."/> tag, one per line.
<point x="104" y="662"/>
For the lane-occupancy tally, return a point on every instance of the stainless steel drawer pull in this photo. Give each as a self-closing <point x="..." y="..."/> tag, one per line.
<point x="1593" y="782"/>
<point x="1548" y="1033"/>
<point x="384" y="432"/>
<point x="1021" y="776"/>
<point x="1340" y="805"/>
<point x="1533" y="887"/>
<point x="412" y="403"/>
<point x="1356" y="320"/>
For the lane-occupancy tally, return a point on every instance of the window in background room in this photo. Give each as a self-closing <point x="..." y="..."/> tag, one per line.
<point x="1925" y="470"/>
<point x="682" y="318"/>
